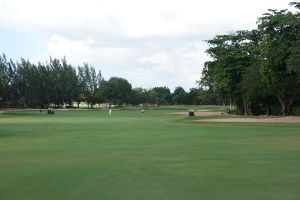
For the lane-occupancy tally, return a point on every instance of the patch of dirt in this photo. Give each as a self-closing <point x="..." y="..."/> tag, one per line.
<point x="200" y="113"/>
<point x="4" y="110"/>
<point x="289" y="119"/>
<point x="263" y="119"/>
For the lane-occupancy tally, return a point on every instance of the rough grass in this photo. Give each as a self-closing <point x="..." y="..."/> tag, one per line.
<point x="89" y="155"/>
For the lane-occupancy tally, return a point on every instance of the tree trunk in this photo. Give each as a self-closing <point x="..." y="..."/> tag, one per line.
<point x="282" y="103"/>
<point x="286" y="104"/>
<point x="289" y="107"/>
<point x="230" y="105"/>
<point x="267" y="107"/>
<point x="246" y="108"/>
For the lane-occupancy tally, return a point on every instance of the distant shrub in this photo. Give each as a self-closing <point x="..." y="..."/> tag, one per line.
<point x="230" y="111"/>
<point x="296" y="111"/>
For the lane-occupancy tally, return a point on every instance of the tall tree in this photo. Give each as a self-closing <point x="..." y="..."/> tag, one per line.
<point x="161" y="95"/>
<point x="70" y="82"/>
<point x="281" y="34"/>
<point x="230" y="59"/>
<point x="180" y="96"/>
<point x="117" y="90"/>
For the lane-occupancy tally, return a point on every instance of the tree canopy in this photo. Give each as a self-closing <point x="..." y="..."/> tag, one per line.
<point x="57" y="83"/>
<point x="258" y="70"/>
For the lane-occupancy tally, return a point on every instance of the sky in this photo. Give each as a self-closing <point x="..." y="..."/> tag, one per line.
<point x="148" y="42"/>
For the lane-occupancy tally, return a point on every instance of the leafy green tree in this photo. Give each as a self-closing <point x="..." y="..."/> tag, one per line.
<point x="4" y="80"/>
<point x="250" y="68"/>
<point x="139" y="96"/>
<point x="193" y="97"/>
<point x="27" y="83"/>
<point x="257" y="98"/>
<point x="45" y="86"/>
<point x="279" y="49"/>
<point x="117" y="90"/>
<point x="70" y="82"/>
<point x="88" y="82"/>
<point x="230" y="58"/>
<point x="180" y="96"/>
<point x="161" y="95"/>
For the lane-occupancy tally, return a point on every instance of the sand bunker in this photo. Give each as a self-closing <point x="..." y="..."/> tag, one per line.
<point x="289" y="119"/>
<point x="263" y="119"/>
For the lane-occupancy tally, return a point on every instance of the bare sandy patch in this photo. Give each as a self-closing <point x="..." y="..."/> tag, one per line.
<point x="289" y="119"/>
<point x="198" y="113"/>
<point x="262" y="119"/>
<point x="6" y="110"/>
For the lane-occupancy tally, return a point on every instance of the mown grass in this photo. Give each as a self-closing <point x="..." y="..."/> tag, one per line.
<point x="89" y="155"/>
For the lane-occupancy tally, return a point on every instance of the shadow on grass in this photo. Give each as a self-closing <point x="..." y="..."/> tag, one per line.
<point x="6" y="135"/>
<point x="21" y="114"/>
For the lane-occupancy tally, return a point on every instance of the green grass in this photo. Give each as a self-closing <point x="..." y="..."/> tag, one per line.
<point x="88" y="155"/>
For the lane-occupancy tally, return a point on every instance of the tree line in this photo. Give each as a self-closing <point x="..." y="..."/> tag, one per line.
<point x="257" y="71"/>
<point x="56" y="83"/>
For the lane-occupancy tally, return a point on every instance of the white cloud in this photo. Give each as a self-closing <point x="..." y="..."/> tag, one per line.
<point x="136" y="18"/>
<point x="181" y="66"/>
<point x="157" y="58"/>
<point x="149" y="42"/>
<point x="78" y="52"/>
<point x="60" y="46"/>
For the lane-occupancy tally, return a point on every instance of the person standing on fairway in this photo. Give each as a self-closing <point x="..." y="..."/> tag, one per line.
<point x="109" y="112"/>
<point x="142" y="112"/>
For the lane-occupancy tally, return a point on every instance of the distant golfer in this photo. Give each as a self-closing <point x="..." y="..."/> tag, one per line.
<point x="142" y="112"/>
<point x="109" y="112"/>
